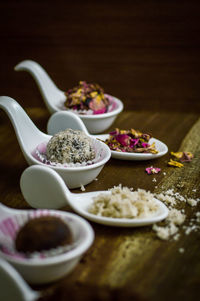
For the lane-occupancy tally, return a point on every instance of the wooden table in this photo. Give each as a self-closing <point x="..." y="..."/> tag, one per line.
<point x="126" y="262"/>
<point x="147" y="54"/>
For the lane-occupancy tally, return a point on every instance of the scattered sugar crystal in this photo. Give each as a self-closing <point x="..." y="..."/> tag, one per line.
<point x="176" y="237"/>
<point x="170" y="192"/>
<point x="192" y="202"/>
<point x="170" y="200"/>
<point x="82" y="188"/>
<point x="198" y="217"/>
<point x="165" y="232"/>
<point x="176" y="217"/>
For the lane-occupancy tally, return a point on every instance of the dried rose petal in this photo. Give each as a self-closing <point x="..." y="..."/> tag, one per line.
<point x="123" y="139"/>
<point x="175" y="163"/>
<point x="177" y="155"/>
<point x="134" y="142"/>
<point x="97" y="105"/>
<point x="183" y="156"/>
<point x="100" y="111"/>
<point x="87" y="97"/>
<point x="113" y="133"/>
<point x="186" y="157"/>
<point x="152" y="170"/>
<point x="145" y="145"/>
<point x="131" y="141"/>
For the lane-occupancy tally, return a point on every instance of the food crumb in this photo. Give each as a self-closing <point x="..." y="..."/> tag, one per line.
<point x="198" y="217"/>
<point x="181" y="250"/>
<point x="173" y="221"/>
<point x="154" y="180"/>
<point x="176" y="237"/>
<point x="169" y="229"/>
<point x="82" y="188"/>
<point x="192" y="202"/>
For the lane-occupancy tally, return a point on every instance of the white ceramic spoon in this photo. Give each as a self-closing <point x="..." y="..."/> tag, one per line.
<point x="55" y="98"/>
<point x="44" y="188"/>
<point x="29" y="137"/>
<point x="38" y="270"/>
<point x="60" y="121"/>
<point x="13" y="286"/>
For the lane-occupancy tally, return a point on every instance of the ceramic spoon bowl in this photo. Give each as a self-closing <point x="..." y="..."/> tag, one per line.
<point x="43" y="269"/>
<point x="29" y="137"/>
<point x="54" y="98"/>
<point x="42" y="187"/>
<point x="60" y="121"/>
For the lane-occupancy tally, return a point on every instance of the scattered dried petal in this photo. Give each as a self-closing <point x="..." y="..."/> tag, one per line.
<point x="152" y="170"/>
<point x="177" y="155"/>
<point x="183" y="156"/>
<point x="175" y="163"/>
<point x="186" y="157"/>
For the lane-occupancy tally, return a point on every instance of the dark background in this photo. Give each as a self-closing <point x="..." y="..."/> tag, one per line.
<point x="144" y="52"/>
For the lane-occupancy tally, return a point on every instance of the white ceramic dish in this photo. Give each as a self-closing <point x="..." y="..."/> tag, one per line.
<point x="160" y="146"/>
<point x="13" y="286"/>
<point x="54" y="98"/>
<point x="62" y="120"/>
<point x="29" y="137"/>
<point x="42" y="187"/>
<point x="44" y="270"/>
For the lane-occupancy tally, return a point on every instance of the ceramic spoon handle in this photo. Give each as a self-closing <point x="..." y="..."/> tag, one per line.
<point x="51" y="94"/>
<point x="23" y="125"/>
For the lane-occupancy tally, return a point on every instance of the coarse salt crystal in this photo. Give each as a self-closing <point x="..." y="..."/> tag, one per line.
<point x="82" y="188"/>
<point x="192" y="202"/>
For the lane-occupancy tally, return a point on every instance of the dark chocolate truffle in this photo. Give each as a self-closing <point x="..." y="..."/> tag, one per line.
<point x="42" y="234"/>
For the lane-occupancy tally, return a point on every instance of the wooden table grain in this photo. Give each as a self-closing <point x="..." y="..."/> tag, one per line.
<point x="147" y="54"/>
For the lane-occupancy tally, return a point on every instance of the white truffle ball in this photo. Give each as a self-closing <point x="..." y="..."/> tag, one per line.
<point x="70" y="146"/>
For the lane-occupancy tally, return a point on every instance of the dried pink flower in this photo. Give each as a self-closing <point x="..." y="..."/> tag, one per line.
<point x="152" y="170"/>
<point x="123" y="139"/>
